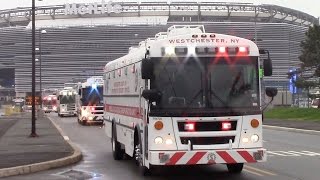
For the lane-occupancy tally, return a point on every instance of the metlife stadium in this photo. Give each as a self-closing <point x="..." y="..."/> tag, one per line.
<point x="75" y="41"/>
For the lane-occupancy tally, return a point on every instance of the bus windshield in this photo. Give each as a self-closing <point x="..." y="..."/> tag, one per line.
<point x="206" y="82"/>
<point x="92" y="97"/>
<point x="49" y="102"/>
<point x="67" y="99"/>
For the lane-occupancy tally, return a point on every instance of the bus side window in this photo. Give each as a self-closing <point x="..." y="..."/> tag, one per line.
<point x="119" y="72"/>
<point x="133" y="70"/>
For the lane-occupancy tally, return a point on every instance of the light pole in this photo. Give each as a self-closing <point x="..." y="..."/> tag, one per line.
<point x="40" y="59"/>
<point x="33" y="93"/>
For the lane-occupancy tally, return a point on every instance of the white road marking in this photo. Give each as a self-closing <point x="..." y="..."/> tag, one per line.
<point x="275" y="153"/>
<point x="260" y="170"/>
<point x="292" y="153"/>
<point x="252" y="172"/>
<point x="306" y="153"/>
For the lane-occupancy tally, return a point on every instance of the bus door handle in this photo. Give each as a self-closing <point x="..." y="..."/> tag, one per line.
<point x="140" y="92"/>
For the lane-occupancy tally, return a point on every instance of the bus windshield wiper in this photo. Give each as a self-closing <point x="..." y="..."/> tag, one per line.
<point x="211" y="92"/>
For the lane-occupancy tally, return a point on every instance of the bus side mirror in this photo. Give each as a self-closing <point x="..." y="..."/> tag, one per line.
<point x="146" y="69"/>
<point x="267" y="67"/>
<point x="271" y="92"/>
<point x="151" y="95"/>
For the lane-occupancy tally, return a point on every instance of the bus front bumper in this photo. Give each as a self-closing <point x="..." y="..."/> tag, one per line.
<point x="198" y="157"/>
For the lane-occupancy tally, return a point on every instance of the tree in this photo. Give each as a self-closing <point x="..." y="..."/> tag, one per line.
<point x="310" y="56"/>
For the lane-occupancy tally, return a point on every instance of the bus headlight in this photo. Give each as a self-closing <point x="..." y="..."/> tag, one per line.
<point x="158" y="140"/>
<point x="254" y="138"/>
<point x="90" y="118"/>
<point x="169" y="141"/>
<point x="245" y="140"/>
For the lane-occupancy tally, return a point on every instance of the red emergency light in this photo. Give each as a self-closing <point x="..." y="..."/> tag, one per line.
<point x="189" y="126"/>
<point x="226" y="126"/>
<point x="92" y="108"/>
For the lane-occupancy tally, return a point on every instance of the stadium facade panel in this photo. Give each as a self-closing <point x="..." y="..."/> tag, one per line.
<point x="72" y="53"/>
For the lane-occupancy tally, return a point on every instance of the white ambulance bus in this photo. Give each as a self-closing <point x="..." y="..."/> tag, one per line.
<point x="187" y="97"/>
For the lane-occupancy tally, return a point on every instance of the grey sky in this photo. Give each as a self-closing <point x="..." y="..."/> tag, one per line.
<point x="309" y="6"/>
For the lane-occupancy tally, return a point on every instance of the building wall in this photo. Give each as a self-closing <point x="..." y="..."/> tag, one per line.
<point x="72" y="53"/>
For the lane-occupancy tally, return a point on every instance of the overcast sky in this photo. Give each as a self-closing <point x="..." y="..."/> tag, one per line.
<point x="309" y="6"/>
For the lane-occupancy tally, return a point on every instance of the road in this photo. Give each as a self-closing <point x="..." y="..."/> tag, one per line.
<point x="291" y="156"/>
<point x="5" y="124"/>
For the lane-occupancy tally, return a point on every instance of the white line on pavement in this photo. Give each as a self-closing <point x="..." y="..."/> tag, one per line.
<point x="260" y="170"/>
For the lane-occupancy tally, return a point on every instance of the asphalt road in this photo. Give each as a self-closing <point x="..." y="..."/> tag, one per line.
<point x="5" y="124"/>
<point x="291" y="156"/>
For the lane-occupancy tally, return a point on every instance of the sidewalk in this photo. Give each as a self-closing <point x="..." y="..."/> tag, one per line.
<point x="17" y="148"/>
<point x="307" y="125"/>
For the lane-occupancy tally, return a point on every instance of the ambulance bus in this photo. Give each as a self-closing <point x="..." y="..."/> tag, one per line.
<point x="187" y="97"/>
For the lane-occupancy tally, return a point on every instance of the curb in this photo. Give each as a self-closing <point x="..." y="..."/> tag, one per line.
<point x="303" y="131"/>
<point x="32" y="168"/>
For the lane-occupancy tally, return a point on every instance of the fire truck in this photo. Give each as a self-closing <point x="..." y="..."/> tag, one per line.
<point x="49" y="103"/>
<point x="90" y="101"/>
<point x="67" y="102"/>
<point x="187" y="97"/>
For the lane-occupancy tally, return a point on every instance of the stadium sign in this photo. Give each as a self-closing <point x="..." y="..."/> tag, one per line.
<point x="92" y="8"/>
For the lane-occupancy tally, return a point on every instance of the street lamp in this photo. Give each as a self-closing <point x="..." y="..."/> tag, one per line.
<point x="33" y="112"/>
<point x="43" y="31"/>
<point x="33" y="84"/>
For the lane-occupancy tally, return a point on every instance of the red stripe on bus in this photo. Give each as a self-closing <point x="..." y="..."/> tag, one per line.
<point x="196" y="158"/>
<point x="123" y="110"/>
<point x="246" y="155"/>
<point x="226" y="157"/>
<point x="175" y="158"/>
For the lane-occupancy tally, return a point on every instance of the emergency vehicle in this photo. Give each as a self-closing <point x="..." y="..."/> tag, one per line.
<point x="49" y="103"/>
<point x="90" y="101"/>
<point x="187" y="97"/>
<point x="67" y="102"/>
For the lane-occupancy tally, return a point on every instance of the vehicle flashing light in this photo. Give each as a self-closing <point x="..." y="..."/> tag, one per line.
<point x="65" y="93"/>
<point x="94" y="86"/>
<point x="254" y="123"/>
<point x="49" y="99"/>
<point x="222" y="49"/>
<point x="189" y="126"/>
<point x="93" y="109"/>
<point x="226" y="126"/>
<point x="191" y="50"/>
<point x="169" y="50"/>
<point x="158" y="125"/>
<point x="243" y="49"/>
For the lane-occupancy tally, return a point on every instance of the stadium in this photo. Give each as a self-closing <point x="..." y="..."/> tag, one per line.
<point x="75" y="41"/>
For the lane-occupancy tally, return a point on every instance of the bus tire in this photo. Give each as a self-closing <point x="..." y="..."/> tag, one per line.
<point x="84" y="122"/>
<point x="138" y="159"/>
<point x="117" y="152"/>
<point x="235" y="168"/>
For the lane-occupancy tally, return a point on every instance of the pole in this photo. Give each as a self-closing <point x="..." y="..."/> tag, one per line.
<point x="40" y="59"/>
<point x="33" y="93"/>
